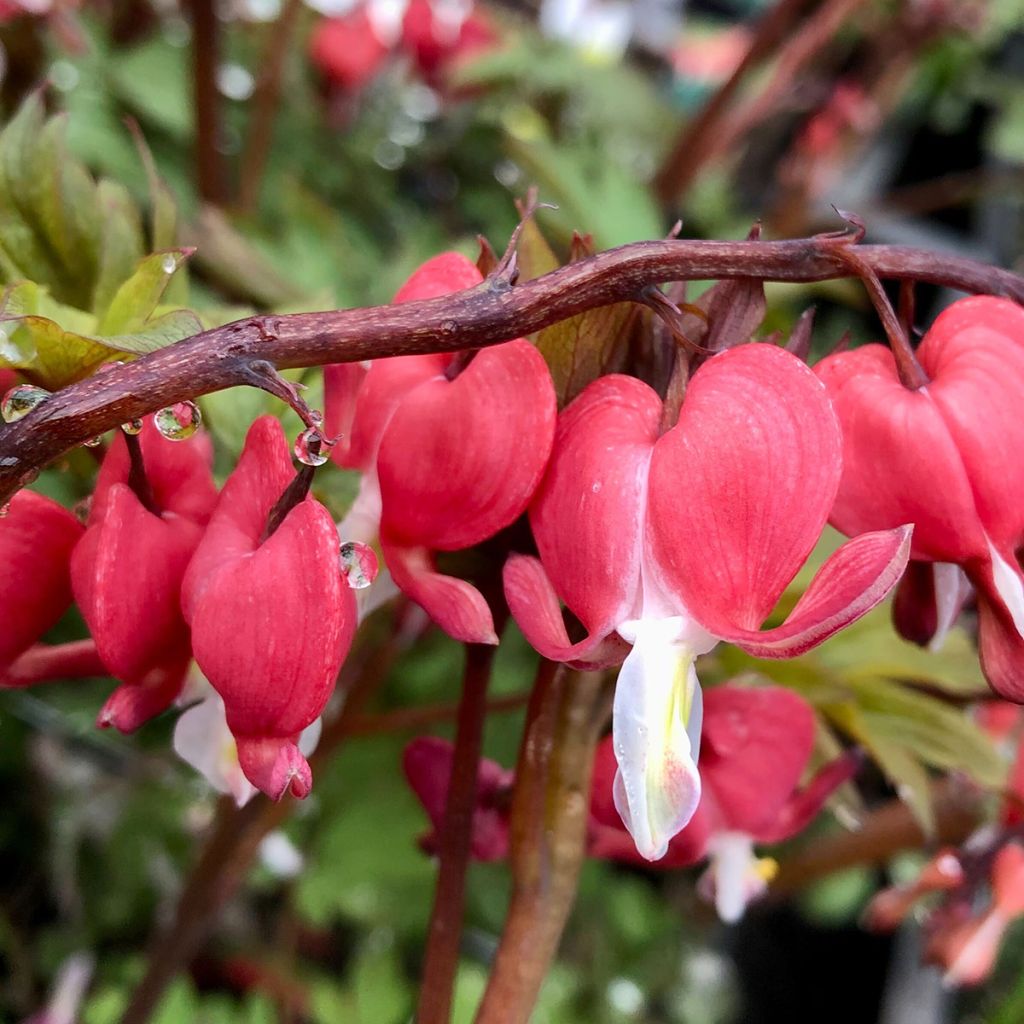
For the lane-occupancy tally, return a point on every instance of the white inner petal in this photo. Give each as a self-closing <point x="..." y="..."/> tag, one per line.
<point x="657" y="703"/>
<point x="736" y="879"/>
<point x="1009" y="586"/>
<point x="951" y="590"/>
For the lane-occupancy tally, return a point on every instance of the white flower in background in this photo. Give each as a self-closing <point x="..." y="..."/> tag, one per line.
<point x="280" y="856"/>
<point x="68" y="991"/>
<point x="600" y="28"/>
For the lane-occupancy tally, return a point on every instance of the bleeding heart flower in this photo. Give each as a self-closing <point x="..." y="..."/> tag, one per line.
<point x="349" y="50"/>
<point x="36" y="540"/>
<point x="127" y="570"/>
<point x="438" y="32"/>
<point x="755" y="748"/>
<point x="272" y="619"/>
<point x="449" y="459"/>
<point x="672" y="543"/>
<point x="946" y="458"/>
<point x="427" y="763"/>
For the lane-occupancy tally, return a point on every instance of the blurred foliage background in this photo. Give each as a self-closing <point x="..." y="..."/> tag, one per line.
<point x="321" y="192"/>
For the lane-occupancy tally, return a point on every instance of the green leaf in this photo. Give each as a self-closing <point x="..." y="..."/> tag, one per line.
<point x="120" y="244"/>
<point x="132" y="305"/>
<point x="166" y="99"/>
<point x="592" y="193"/>
<point x="382" y="993"/>
<point x="582" y="348"/>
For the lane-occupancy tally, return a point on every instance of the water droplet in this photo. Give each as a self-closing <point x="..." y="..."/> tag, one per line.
<point x="179" y="421"/>
<point x="21" y="400"/>
<point x="4" y="509"/>
<point x="113" y="364"/>
<point x="132" y="427"/>
<point x="359" y="564"/>
<point x="169" y="264"/>
<point x="81" y="509"/>
<point x="311" y="447"/>
<point x="94" y="442"/>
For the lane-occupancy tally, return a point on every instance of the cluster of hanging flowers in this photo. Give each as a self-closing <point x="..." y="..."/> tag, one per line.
<point x="652" y="538"/>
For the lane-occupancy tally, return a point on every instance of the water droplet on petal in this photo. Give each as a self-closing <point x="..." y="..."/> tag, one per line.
<point x="94" y="442"/>
<point x="169" y="264"/>
<point x="359" y="564"/>
<point x="179" y="421"/>
<point x="132" y="427"/>
<point x="21" y="400"/>
<point x="81" y="509"/>
<point x="4" y="509"/>
<point x="312" y="448"/>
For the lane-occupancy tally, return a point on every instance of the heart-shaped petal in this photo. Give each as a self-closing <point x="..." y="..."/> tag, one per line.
<point x="854" y="579"/>
<point x="900" y="463"/>
<point x="460" y="459"/>
<point x="588" y="515"/>
<point x="974" y="353"/>
<point x="741" y="487"/>
<point x="534" y="605"/>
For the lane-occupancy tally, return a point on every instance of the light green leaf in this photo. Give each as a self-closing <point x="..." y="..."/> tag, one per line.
<point x="121" y="245"/>
<point x="134" y="302"/>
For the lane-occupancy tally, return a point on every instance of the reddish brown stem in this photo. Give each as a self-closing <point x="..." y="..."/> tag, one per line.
<point x="477" y="317"/>
<point x="882" y="834"/>
<point x="698" y="140"/>
<point x="265" y="102"/>
<point x="441" y="959"/>
<point x="911" y="372"/>
<point x="548" y="834"/>
<point x="206" y="100"/>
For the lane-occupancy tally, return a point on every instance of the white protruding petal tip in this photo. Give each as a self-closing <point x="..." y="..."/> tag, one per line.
<point x="657" y="786"/>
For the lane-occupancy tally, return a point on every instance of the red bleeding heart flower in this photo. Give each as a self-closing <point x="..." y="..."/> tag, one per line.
<point x="439" y="32"/>
<point x="755" y="748"/>
<point x="272" y="619"/>
<point x="945" y="457"/>
<point x="427" y="763"/>
<point x="349" y="50"/>
<point x="676" y="541"/>
<point x="36" y="540"/>
<point x="127" y="570"/>
<point x="449" y="459"/>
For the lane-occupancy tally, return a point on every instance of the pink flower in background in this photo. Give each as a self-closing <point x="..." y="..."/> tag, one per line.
<point x="448" y="461"/>
<point x="671" y="542"/>
<point x="946" y="458"/>
<point x="427" y="763"/>
<point x="756" y="746"/>
<point x="272" y="618"/>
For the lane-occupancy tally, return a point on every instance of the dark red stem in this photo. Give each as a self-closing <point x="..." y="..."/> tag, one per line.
<point x="206" y="100"/>
<point x="477" y="317"/>
<point x="441" y="959"/>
